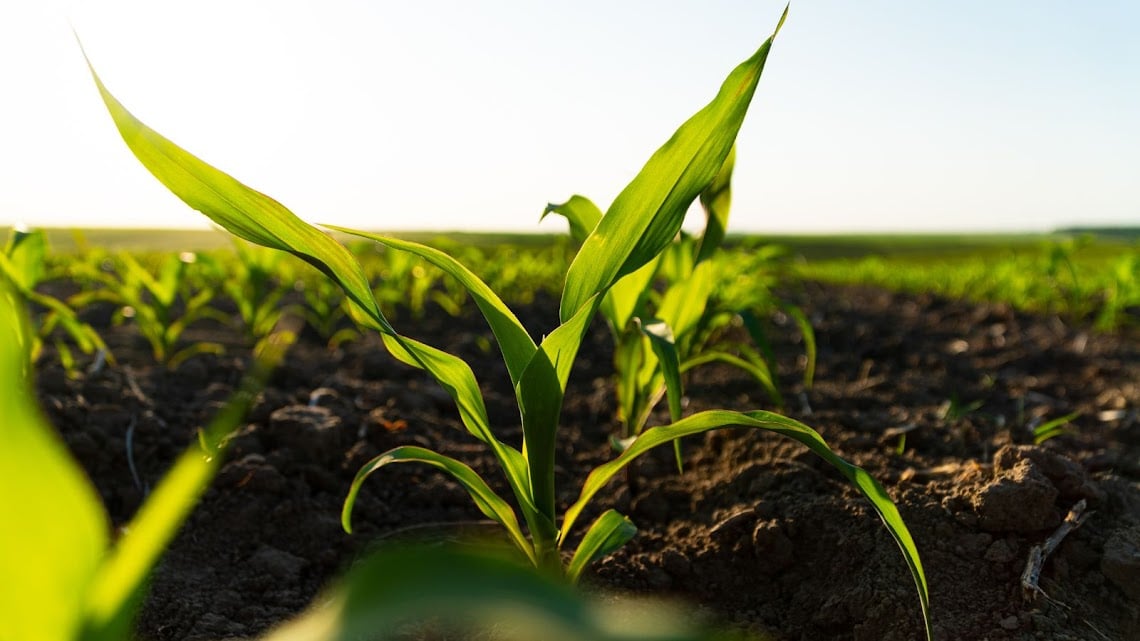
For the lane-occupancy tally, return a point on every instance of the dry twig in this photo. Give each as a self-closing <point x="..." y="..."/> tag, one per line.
<point x="1032" y="574"/>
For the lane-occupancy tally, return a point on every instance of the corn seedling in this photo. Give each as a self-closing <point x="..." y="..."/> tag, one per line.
<point x="1121" y="296"/>
<point x="1052" y="428"/>
<point x="23" y="264"/>
<point x="251" y="280"/>
<point x="324" y="309"/>
<point x="638" y="226"/>
<point x="161" y="306"/>
<point x="64" y="579"/>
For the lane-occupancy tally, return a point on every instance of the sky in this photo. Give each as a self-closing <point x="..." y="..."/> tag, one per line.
<point x="442" y="115"/>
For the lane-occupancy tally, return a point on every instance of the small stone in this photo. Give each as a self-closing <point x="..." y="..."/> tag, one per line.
<point x="1009" y="623"/>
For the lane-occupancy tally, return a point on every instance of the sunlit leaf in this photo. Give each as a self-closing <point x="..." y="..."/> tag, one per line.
<point x="648" y="213"/>
<point x="53" y="533"/>
<point x="241" y="210"/>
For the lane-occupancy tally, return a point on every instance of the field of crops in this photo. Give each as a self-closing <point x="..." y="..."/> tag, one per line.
<point x="285" y="434"/>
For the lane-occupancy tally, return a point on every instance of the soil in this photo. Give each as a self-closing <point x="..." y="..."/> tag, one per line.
<point x="757" y="532"/>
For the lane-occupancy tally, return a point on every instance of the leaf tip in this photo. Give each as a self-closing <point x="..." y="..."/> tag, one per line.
<point x="783" y="17"/>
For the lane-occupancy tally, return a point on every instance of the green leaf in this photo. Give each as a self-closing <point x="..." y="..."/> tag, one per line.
<point x="243" y="211"/>
<point x="661" y="340"/>
<point x="581" y="212"/>
<point x="457" y="379"/>
<point x="717" y="419"/>
<point x="485" y="498"/>
<point x="608" y="533"/>
<point x="801" y="320"/>
<point x="716" y="200"/>
<point x="54" y="532"/>
<point x="26" y="252"/>
<point x="625" y="297"/>
<point x="117" y="587"/>
<point x="258" y="218"/>
<point x="622" y="299"/>
<point x="648" y="213"/>
<point x="757" y="368"/>
<point x="685" y="302"/>
<point x="513" y="339"/>
<point x="1053" y="428"/>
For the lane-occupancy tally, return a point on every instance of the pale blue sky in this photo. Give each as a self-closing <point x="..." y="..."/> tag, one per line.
<point x="871" y="116"/>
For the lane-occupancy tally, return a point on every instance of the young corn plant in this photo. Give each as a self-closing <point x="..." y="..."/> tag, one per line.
<point x="638" y="226"/>
<point x="325" y="309"/>
<point x="162" y="306"/>
<point x="23" y="263"/>
<point x="1121" y="295"/>
<point x="252" y="279"/>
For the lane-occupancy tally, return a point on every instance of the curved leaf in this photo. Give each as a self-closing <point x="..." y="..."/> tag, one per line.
<point x="581" y="212"/>
<point x="608" y="533"/>
<point x="801" y="320"/>
<point x="685" y="302"/>
<point x="260" y="219"/>
<point x="513" y="339"/>
<point x="485" y="498"/>
<point x="717" y="419"/>
<point x="241" y="210"/>
<point x="758" y="369"/>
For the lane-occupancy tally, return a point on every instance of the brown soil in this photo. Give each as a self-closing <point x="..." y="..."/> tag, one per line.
<point x="757" y="532"/>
